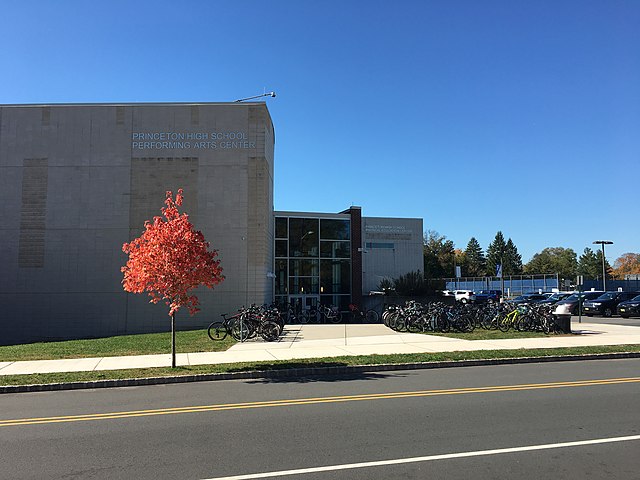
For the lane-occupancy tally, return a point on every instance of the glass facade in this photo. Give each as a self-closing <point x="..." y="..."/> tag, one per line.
<point x="313" y="261"/>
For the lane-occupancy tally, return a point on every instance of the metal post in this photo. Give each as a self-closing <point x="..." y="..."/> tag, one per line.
<point x="604" y="271"/>
<point x="173" y="340"/>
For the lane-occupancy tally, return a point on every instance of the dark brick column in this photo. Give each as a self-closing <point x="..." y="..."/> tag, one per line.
<point x="356" y="255"/>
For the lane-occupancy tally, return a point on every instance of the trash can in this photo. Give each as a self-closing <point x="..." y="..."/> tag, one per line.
<point x="563" y="323"/>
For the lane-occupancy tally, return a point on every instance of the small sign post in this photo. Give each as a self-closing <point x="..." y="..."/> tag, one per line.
<point x="579" y="283"/>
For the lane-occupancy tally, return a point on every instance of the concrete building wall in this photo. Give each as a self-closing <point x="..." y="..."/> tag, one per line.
<point x="391" y="247"/>
<point x="78" y="181"/>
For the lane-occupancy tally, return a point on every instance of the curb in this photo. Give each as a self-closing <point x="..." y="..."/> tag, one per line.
<point x="310" y="371"/>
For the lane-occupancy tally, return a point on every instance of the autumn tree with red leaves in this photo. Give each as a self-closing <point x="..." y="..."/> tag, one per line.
<point x="169" y="260"/>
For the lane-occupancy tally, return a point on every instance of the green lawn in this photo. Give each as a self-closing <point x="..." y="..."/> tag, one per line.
<point x="482" y="334"/>
<point x="306" y="363"/>
<point x="143" y="344"/>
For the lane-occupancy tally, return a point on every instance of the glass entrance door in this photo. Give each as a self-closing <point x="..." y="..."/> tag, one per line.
<point x="304" y="303"/>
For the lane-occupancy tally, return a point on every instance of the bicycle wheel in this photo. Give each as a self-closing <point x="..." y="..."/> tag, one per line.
<point x="270" y="331"/>
<point x="334" y="317"/>
<point x="240" y="330"/>
<point x="504" y="324"/>
<point x="442" y="324"/>
<point x="465" y="324"/>
<point x="414" y="324"/>
<point x="392" y="319"/>
<point x="400" y="324"/>
<point x="372" y="316"/>
<point x="217" y="331"/>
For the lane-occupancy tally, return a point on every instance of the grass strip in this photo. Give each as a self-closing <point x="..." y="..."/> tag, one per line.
<point x="482" y="334"/>
<point x="47" y="378"/>
<point x="186" y="342"/>
<point x="143" y="344"/>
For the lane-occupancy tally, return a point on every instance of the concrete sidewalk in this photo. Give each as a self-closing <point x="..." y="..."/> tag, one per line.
<point x="325" y="341"/>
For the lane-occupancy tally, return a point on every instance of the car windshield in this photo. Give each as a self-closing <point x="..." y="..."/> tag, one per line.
<point x="635" y="299"/>
<point x="574" y="297"/>
<point x="607" y="296"/>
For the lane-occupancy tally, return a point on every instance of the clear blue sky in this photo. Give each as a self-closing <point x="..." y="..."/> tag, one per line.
<point x="476" y="116"/>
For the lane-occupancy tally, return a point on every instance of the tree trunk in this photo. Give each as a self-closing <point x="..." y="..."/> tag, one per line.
<point x="173" y="340"/>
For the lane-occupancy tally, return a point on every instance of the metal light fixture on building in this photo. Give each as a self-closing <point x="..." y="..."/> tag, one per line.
<point x="266" y="94"/>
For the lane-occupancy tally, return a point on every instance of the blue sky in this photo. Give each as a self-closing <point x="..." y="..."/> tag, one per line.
<point x="476" y="116"/>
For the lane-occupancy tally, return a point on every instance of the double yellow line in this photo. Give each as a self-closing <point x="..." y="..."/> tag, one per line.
<point x="311" y="401"/>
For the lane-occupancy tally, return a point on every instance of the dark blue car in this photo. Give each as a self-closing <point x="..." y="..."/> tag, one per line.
<point x="630" y="308"/>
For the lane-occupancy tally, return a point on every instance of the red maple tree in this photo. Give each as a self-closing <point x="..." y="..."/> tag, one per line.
<point x="169" y="260"/>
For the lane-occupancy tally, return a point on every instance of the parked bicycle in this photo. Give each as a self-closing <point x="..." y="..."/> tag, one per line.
<point x="248" y="323"/>
<point x="368" y="316"/>
<point x="438" y="317"/>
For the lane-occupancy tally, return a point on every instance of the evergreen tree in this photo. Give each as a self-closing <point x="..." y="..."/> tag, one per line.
<point x="512" y="259"/>
<point x="496" y="254"/>
<point x="475" y="262"/>
<point x="590" y="264"/>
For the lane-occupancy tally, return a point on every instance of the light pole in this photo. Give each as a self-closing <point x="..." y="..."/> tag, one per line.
<point x="604" y="271"/>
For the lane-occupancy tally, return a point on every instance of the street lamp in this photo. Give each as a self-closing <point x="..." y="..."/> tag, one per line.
<point x="604" y="271"/>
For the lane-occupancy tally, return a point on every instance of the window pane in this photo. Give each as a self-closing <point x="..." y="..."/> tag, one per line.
<point x="303" y="285"/>
<point x="303" y="268"/>
<point x="281" y="277"/>
<point x="281" y="248"/>
<point x="340" y="301"/>
<point x="303" y="237"/>
<point x="332" y="229"/>
<point x="335" y="276"/>
<point x="281" y="227"/>
<point x="281" y="302"/>
<point x="335" y="249"/>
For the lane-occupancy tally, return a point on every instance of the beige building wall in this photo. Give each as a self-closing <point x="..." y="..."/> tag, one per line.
<point x="78" y="181"/>
<point x="391" y="247"/>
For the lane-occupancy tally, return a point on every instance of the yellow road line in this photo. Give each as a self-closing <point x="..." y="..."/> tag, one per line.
<point x="313" y="400"/>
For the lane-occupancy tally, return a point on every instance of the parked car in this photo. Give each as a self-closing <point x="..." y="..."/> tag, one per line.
<point x="528" y="298"/>
<point x="464" y="296"/>
<point x="606" y="303"/>
<point x="488" y="296"/>
<point x="569" y="306"/>
<point x="630" y="308"/>
<point x="555" y="298"/>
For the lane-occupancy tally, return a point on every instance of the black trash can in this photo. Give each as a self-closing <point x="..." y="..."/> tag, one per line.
<point x="563" y="323"/>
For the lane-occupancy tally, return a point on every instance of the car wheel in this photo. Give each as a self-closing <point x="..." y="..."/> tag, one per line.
<point x="490" y="300"/>
<point x="607" y="312"/>
<point x="464" y="300"/>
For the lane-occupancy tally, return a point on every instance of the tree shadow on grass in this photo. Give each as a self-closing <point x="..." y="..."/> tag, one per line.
<point x="319" y="372"/>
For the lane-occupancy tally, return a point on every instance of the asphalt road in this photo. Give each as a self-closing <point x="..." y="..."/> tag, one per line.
<point x="218" y="429"/>
<point x="615" y="320"/>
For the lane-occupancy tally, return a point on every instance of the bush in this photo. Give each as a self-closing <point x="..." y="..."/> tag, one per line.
<point x="411" y="284"/>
